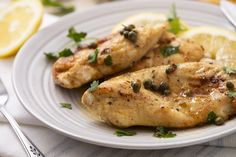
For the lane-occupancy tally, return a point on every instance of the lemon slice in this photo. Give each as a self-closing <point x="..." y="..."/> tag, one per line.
<point x="219" y="44"/>
<point x="18" y="22"/>
<point x="143" y="19"/>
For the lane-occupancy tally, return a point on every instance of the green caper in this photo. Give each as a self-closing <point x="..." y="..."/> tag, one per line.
<point x="135" y="86"/>
<point x="147" y="84"/>
<point x="163" y="86"/>
<point x="219" y="121"/>
<point x="131" y="27"/>
<point x="132" y="36"/>
<point x="122" y="32"/>
<point x="126" y="34"/>
<point x="230" y="85"/>
<point x="171" y="68"/>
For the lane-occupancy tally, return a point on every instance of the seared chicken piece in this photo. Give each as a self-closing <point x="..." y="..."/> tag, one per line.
<point x="116" y="53"/>
<point x="180" y="99"/>
<point x="188" y="51"/>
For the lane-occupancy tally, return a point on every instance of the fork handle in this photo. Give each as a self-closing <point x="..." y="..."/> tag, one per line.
<point x="30" y="148"/>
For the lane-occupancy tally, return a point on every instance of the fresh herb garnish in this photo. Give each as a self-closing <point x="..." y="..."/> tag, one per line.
<point x="231" y="94"/>
<point x="211" y="117"/>
<point x="51" y="56"/>
<point x="162" y="132"/>
<point x="108" y="60"/>
<point x="229" y="70"/>
<point x="66" y="105"/>
<point x="74" y="35"/>
<point x="92" y="58"/>
<point x="64" y="53"/>
<point x="93" y="86"/>
<point x="169" y="50"/>
<point x="61" y="9"/>
<point x="120" y="133"/>
<point x="174" y="21"/>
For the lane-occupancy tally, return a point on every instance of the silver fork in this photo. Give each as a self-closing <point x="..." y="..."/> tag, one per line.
<point x="30" y="148"/>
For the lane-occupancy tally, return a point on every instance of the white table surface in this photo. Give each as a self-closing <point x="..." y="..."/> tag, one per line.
<point x="55" y="145"/>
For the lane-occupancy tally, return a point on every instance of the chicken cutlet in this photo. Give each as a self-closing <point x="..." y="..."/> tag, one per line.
<point x="117" y="52"/>
<point x="182" y="51"/>
<point x="178" y="96"/>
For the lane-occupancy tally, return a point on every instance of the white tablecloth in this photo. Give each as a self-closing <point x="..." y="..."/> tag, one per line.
<point x="55" y="145"/>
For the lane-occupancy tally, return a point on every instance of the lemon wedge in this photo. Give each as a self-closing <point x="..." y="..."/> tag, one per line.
<point x="146" y="18"/>
<point x="219" y="44"/>
<point x="18" y="22"/>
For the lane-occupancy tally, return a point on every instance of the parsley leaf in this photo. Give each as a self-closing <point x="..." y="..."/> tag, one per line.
<point x="93" y="86"/>
<point x="229" y="70"/>
<point x="65" y="53"/>
<point x="74" y="35"/>
<point x="174" y="21"/>
<point x="66" y="105"/>
<point x="231" y="94"/>
<point x="51" y="56"/>
<point x="162" y="132"/>
<point x="169" y="50"/>
<point x="120" y="133"/>
<point x="61" y="8"/>
<point x="108" y="60"/>
<point x="211" y="117"/>
<point x="92" y="58"/>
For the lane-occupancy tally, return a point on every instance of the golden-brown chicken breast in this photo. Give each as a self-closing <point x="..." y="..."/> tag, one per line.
<point x="167" y="96"/>
<point x="182" y="51"/>
<point x="116" y="53"/>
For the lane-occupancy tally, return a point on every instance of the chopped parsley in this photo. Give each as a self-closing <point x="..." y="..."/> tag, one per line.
<point x="54" y="56"/>
<point x="66" y="105"/>
<point x="229" y="70"/>
<point x="74" y="35"/>
<point x="174" y="21"/>
<point x="61" y="9"/>
<point x="51" y="56"/>
<point x="108" y="60"/>
<point x="169" y="50"/>
<point x="231" y="94"/>
<point x="93" y="86"/>
<point x="120" y="133"/>
<point x="211" y="117"/>
<point x="65" y="53"/>
<point x="92" y="58"/>
<point x="162" y="132"/>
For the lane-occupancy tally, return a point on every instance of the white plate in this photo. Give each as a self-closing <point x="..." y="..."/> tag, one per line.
<point x="35" y="88"/>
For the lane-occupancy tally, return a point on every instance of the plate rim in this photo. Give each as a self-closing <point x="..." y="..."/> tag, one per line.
<point x="95" y="141"/>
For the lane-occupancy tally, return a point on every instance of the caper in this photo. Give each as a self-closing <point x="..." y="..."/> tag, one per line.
<point x="132" y="36"/>
<point x="131" y="27"/>
<point x="135" y="86"/>
<point x="122" y="32"/>
<point x="230" y="85"/>
<point x="147" y="84"/>
<point x="126" y="34"/>
<point x="93" y="45"/>
<point x="171" y="68"/>
<point x="219" y="121"/>
<point x="163" y="86"/>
